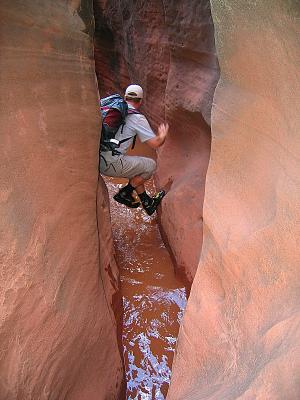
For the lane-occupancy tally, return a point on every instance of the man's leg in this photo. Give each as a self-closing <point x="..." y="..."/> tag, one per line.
<point x="124" y="196"/>
<point x="144" y="168"/>
<point x="149" y="203"/>
<point x="137" y="183"/>
<point x="122" y="167"/>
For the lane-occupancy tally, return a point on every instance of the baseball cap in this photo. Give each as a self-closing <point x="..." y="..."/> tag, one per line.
<point x="134" y="91"/>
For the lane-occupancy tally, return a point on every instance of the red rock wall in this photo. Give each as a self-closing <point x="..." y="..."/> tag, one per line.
<point x="168" y="48"/>
<point x="57" y="328"/>
<point x="240" y="335"/>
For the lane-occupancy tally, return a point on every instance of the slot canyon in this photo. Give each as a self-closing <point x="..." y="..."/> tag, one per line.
<point x="225" y="75"/>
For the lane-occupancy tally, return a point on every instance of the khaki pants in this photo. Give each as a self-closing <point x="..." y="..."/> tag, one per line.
<point x="123" y="166"/>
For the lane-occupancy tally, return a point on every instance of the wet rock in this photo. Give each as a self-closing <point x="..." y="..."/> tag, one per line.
<point x="57" y="329"/>
<point x="240" y="336"/>
<point x="168" y="48"/>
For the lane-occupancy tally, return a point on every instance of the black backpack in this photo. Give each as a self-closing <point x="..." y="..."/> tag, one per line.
<point x="114" y="110"/>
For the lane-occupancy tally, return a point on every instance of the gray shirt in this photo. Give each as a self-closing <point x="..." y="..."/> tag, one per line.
<point x="136" y="124"/>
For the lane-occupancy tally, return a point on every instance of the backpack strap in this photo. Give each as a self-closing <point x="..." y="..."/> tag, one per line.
<point x="133" y="111"/>
<point x="133" y="143"/>
<point x="125" y="140"/>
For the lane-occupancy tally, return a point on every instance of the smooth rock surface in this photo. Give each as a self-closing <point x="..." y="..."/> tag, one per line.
<point x="57" y="328"/>
<point x="168" y="48"/>
<point x="240" y="335"/>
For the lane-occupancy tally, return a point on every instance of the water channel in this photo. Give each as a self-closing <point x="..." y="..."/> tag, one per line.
<point x="154" y="299"/>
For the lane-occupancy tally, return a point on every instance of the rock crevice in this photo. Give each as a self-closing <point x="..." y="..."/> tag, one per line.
<point x="168" y="48"/>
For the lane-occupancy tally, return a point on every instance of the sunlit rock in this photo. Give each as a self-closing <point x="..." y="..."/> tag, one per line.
<point x="240" y="336"/>
<point x="57" y="328"/>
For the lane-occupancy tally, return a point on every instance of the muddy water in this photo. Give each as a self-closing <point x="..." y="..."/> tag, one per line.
<point x="153" y="300"/>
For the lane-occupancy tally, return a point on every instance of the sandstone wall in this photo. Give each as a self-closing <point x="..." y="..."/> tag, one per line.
<point x="57" y="328"/>
<point x="240" y="336"/>
<point x="168" y="48"/>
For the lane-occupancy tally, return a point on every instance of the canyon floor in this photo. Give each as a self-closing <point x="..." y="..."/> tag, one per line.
<point x="153" y="297"/>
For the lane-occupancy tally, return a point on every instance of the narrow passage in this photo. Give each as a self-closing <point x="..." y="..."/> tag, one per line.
<point x="153" y="299"/>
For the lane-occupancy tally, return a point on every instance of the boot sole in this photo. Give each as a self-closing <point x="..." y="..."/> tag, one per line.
<point x="126" y="203"/>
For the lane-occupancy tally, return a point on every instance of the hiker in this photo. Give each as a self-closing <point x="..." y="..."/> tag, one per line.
<point x="114" y="161"/>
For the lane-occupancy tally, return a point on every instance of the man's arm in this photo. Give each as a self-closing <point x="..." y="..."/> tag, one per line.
<point x="160" y="137"/>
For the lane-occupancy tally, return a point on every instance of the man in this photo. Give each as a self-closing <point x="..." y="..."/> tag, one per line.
<point x="137" y="169"/>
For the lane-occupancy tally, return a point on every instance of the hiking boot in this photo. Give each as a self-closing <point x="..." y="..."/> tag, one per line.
<point x="151" y="206"/>
<point x="127" y="199"/>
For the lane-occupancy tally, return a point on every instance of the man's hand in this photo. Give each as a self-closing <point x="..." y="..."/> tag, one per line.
<point x="163" y="130"/>
<point x="160" y="138"/>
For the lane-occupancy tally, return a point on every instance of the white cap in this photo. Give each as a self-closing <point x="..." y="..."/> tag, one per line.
<point x="134" y="91"/>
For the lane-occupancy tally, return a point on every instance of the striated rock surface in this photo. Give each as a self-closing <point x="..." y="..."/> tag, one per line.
<point x="57" y="328"/>
<point x="240" y="336"/>
<point x="168" y="48"/>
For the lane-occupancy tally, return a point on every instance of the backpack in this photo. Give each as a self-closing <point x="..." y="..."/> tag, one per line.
<point x="114" y="110"/>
